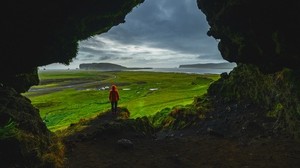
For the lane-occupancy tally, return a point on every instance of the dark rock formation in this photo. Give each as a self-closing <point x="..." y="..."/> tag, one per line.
<point x="277" y="95"/>
<point x="24" y="138"/>
<point x="37" y="33"/>
<point x="264" y="33"/>
<point x="108" y="67"/>
<point x="125" y="143"/>
<point x="210" y="65"/>
<point x="101" y="66"/>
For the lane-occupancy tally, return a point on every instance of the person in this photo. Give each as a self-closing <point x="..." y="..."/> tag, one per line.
<point x="114" y="98"/>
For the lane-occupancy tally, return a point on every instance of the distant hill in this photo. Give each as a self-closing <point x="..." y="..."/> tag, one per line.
<point x="210" y="65"/>
<point x="105" y="67"/>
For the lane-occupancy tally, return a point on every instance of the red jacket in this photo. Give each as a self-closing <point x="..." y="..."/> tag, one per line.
<point x="113" y="94"/>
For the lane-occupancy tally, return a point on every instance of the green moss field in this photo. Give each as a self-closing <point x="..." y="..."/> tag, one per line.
<point x="67" y="96"/>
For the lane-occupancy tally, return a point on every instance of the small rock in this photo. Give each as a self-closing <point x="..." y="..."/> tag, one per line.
<point x="125" y="143"/>
<point x="209" y="129"/>
<point x="214" y="133"/>
<point x="81" y="137"/>
<point x="170" y="135"/>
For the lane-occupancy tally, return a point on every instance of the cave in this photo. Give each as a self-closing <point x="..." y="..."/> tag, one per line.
<point x="261" y="37"/>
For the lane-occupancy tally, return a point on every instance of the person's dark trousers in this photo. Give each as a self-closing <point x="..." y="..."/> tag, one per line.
<point x="114" y="106"/>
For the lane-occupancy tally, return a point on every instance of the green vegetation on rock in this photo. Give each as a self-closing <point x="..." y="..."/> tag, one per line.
<point x="277" y="93"/>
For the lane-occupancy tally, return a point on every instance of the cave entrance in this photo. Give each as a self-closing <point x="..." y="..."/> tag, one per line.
<point x="157" y="34"/>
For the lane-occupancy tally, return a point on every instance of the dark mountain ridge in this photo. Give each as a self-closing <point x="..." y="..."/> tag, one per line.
<point x="210" y="65"/>
<point x="106" y="66"/>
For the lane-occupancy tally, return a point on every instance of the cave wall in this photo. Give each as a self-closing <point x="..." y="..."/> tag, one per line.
<point x="262" y="37"/>
<point x="263" y="33"/>
<point x="36" y="33"/>
<point x="24" y="137"/>
<point x="277" y="94"/>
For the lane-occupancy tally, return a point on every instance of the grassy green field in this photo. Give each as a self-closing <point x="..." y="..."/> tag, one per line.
<point x="65" y="97"/>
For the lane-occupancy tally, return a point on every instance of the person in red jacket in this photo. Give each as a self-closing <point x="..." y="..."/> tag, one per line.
<point x="114" y="98"/>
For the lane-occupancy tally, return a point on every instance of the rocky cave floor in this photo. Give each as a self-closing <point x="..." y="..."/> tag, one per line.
<point x="232" y="136"/>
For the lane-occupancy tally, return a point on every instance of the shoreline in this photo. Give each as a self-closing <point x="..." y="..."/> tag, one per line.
<point x="175" y="70"/>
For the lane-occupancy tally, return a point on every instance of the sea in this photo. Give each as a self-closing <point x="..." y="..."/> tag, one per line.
<point x="188" y="70"/>
<point x="175" y="70"/>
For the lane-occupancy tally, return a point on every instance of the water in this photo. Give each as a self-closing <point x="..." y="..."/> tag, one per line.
<point x="177" y="70"/>
<point x="188" y="70"/>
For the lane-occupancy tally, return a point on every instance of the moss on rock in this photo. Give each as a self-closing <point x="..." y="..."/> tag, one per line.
<point x="277" y="93"/>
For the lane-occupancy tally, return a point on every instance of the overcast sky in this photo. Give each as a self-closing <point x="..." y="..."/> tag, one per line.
<point x="158" y="34"/>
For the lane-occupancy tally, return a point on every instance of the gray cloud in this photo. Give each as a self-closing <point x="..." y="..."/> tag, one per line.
<point x="125" y="58"/>
<point x="157" y="33"/>
<point x="90" y="56"/>
<point x="85" y="49"/>
<point x="171" y="24"/>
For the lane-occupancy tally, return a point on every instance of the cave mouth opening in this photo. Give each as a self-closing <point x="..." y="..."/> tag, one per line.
<point x="157" y="34"/>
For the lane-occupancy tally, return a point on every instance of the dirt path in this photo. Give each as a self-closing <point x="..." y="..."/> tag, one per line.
<point x="93" y="148"/>
<point x="59" y="88"/>
<point x="69" y="83"/>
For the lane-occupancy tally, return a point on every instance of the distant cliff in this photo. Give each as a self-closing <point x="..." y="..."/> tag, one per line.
<point x="210" y="65"/>
<point x="101" y="66"/>
<point x="105" y="66"/>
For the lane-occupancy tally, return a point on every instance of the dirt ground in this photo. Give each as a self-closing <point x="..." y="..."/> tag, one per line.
<point x="186" y="148"/>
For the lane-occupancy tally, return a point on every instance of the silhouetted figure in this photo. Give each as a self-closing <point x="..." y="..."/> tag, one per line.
<point x="114" y="98"/>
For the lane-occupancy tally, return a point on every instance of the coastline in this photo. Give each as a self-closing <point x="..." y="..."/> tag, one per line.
<point x="188" y="70"/>
<point x="175" y="70"/>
